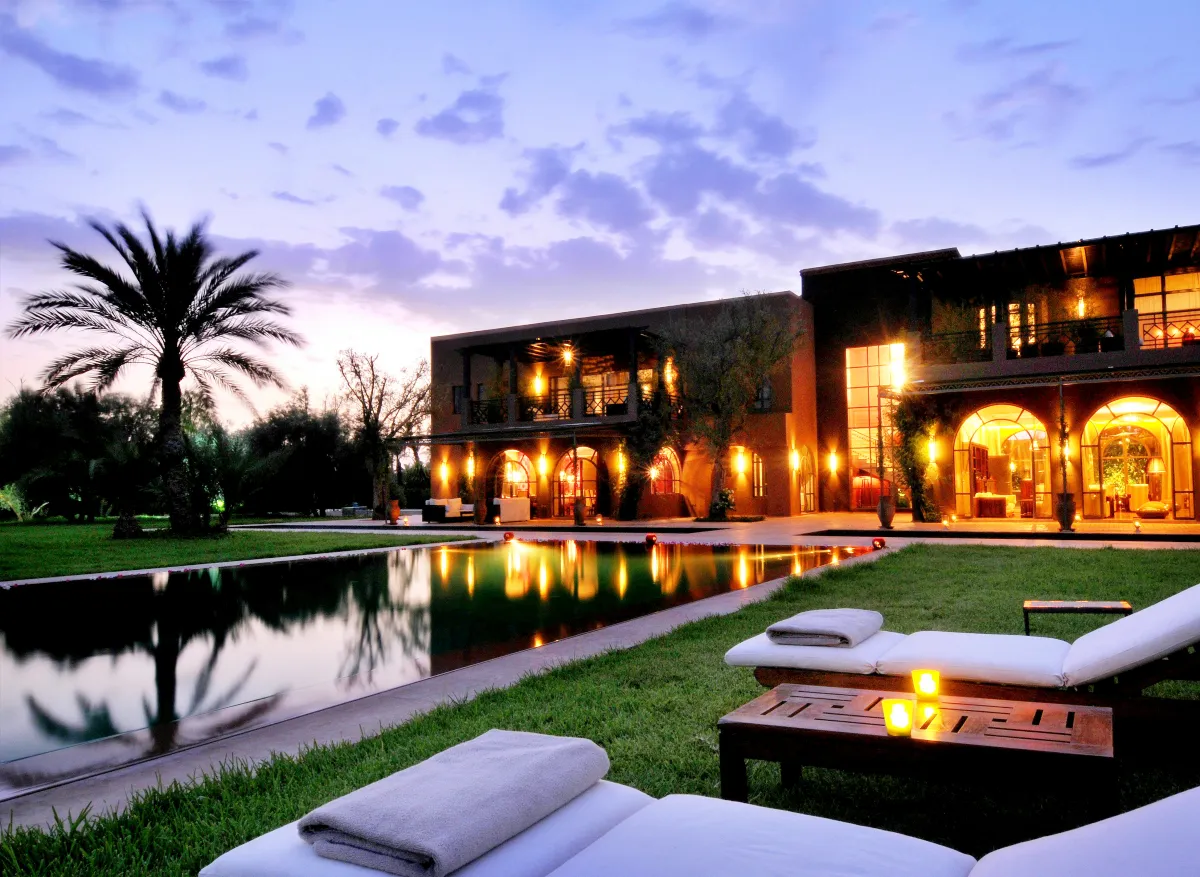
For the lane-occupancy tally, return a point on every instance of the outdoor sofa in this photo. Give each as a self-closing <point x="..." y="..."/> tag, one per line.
<point x="438" y="511"/>
<point x="1110" y="666"/>
<point x="612" y="830"/>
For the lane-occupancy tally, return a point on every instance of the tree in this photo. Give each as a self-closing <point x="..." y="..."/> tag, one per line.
<point x="385" y="410"/>
<point x="724" y="362"/>
<point x="176" y="311"/>
<point x="647" y="436"/>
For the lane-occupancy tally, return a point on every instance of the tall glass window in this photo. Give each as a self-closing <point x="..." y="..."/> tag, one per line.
<point x="868" y="369"/>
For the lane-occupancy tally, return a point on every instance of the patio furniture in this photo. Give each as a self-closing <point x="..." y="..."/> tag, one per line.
<point x="1111" y="666"/>
<point x="1075" y="607"/>
<point x="510" y="510"/>
<point x="964" y="737"/>
<point x="991" y="505"/>
<point x="612" y="829"/>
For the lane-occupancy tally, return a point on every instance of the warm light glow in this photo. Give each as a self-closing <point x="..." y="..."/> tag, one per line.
<point x="470" y="575"/>
<point x="946" y="523"/>
<point x="512" y="472"/>
<point x="538" y="642"/>
<point x="543" y="581"/>
<point x="599" y="519"/>
<point x="743" y="571"/>
<point x="669" y="372"/>
<point x="621" y="462"/>
<point x="739" y="462"/>
<point x="538" y="385"/>
<point x="568" y="354"/>
<point x="543" y="465"/>
<point x="405" y="520"/>
<point x="444" y="470"/>
<point x="645" y="389"/>
<point x="932" y="451"/>
<point x="1078" y="516"/>
<point x="929" y="712"/>
<point x="954" y="519"/>
<point x="471" y="466"/>
<point x="1081" y="308"/>
<point x="1012" y="467"/>
<point x="898" y="374"/>
<point x="1066" y="450"/>
<point x="496" y="520"/>
<point x="898" y="716"/>
<point x="795" y="461"/>
<point x="1137" y="525"/>
<point x="622" y="579"/>
<point x="654" y="563"/>
<point x="653" y="473"/>
<point x="572" y="550"/>
<point x="926" y="682"/>
<point x="833" y="462"/>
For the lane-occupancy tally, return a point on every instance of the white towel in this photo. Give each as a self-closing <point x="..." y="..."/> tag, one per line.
<point x="450" y="809"/>
<point x="842" y="628"/>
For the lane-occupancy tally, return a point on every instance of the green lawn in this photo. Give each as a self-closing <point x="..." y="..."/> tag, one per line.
<point x="36" y="550"/>
<point x="655" y="707"/>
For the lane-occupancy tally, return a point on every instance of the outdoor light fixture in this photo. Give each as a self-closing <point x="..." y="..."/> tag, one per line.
<point x="537" y="384"/>
<point x="833" y="463"/>
<point x="1080" y="307"/>
<point x="926" y="683"/>
<point x="1156" y="466"/>
<point x="653" y="473"/>
<point x="739" y="462"/>
<point x="542" y="464"/>
<point x="932" y="451"/>
<point x="471" y="466"/>
<point x="898" y="716"/>
<point x="621" y="462"/>
<point x="795" y="461"/>
<point x="444" y="471"/>
<point x="568" y="354"/>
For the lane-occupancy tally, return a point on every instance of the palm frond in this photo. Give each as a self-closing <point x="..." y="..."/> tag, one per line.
<point x="106" y="362"/>
<point x="255" y="369"/>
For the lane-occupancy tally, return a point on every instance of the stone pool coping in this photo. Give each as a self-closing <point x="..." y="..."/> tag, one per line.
<point x="353" y="720"/>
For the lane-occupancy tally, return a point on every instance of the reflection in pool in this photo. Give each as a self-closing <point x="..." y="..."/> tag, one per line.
<point x="195" y="655"/>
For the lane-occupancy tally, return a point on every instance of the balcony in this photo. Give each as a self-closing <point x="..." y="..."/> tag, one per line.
<point x="598" y="403"/>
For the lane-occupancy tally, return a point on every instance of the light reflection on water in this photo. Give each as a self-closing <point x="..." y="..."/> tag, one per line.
<point x="199" y="654"/>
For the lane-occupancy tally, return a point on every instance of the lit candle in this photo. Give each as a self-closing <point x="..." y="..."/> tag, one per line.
<point x="898" y="717"/>
<point x="925" y="683"/>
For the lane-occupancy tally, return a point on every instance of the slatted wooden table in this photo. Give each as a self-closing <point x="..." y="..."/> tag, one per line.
<point x="996" y="741"/>
<point x="1076" y="607"/>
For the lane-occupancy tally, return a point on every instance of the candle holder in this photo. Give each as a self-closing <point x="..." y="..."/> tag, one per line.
<point x="898" y="716"/>
<point x="926" y="683"/>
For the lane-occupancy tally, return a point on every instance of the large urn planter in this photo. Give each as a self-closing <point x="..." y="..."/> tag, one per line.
<point x="1064" y="510"/>
<point x="887" y="511"/>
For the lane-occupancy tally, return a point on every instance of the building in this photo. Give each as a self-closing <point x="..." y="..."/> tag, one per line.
<point x="543" y="411"/>
<point x="1110" y="326"/>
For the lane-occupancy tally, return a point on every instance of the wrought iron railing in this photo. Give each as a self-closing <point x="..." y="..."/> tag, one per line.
<point x="548" y="406"/>
<point x="1069" y="337"/>
<point x="488" y="411"/>
<point x="606" y="402"/>
<point x="946" y="348"/>
<point x="1172" y="329"/>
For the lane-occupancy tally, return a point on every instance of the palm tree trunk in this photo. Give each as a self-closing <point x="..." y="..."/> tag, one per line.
<point x="173" y="455"/>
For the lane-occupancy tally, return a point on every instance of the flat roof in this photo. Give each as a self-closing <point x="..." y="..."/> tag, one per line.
<point x="922" y="257"/>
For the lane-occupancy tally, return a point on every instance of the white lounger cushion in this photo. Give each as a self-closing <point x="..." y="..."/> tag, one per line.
<point x="695" y="836"/>
<point x="980" y="657"/>
<point x="759" y="651"/>
<point x="534" y="852"/>
<point x="1144" y="636"/>
<point x="1158" y="840"/>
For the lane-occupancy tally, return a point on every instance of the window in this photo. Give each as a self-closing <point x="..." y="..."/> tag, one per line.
<point x="1168" y="309"/>
<point x="1018" y="334"/>
<point x="758" y="483"/>
<point x="458" y="399"/>
<point x="664" y="473"/>
<point x="868" y="369"/>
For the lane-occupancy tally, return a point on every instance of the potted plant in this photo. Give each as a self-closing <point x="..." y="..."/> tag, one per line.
<point x="887" y="505"/>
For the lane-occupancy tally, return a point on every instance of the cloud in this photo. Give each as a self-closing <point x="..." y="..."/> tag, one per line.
<point x="1005" y="48"/>
<point x="451" y="64"/>
<point x="278" y="147"/>
<point x="1104" y="159"/>
<point x="677" y="20"/>
<point x="476" y="116"/>
<point x="231" y="67"/>
<point x="292" y="199"/>
<point x="254" y="27"/>
<point x="329" y="110"/>
<point x="69" y="71"/>
<point x="341" y="170"/>
<point x="10" y="154"/>
<point x="406" y="196"/>
<point x="604" y="200"/>
<point x="678" y="179"/>
<point x="1187" y="151"/>
<point x="388" y="256"/>
<point x="716" y="229"/>
<point x="1031" y="105"/>
<point x="665" y="129"/>
<point x="386" y="127"/>
<point x="70" y="118"/>
<point x="760" y="134"/>
<point x="548" y="167"/>
<point x="181" y="104"/>
<point x="797" y="202"/>
<point x="49" y="148"/>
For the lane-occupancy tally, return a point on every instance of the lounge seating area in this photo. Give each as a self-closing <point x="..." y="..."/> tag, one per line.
<point x="439" y="511"/>
<point x="511" y="804"/>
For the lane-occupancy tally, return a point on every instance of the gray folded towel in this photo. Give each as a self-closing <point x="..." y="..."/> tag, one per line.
<point x="843" y="628"/>
<point x="437" y="816"/>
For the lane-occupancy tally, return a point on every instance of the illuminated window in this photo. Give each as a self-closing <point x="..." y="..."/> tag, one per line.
<point x="664" y="472"/>
<point x="512" y="472"/>
<point x="868" y="369"/>
<point x="1168" y="309"/>
<point x="758" y="482"/>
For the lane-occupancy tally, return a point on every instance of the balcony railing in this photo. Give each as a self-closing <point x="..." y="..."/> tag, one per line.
<point x="1069" y="337"/>
<point x="954" y="347"/>
<point x="606" y="402"/>
<point x="548" y="406"/>
<point x="1172" y="329"/>
<point x="488" y="411"/>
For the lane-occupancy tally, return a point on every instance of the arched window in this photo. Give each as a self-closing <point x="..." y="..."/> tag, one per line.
<point x="1137" y="461"/>
<point x="1001" y="464"/>
<point x="575" y="475"/>
<point x="664" y="472"/>
<point x="512" y="475"/>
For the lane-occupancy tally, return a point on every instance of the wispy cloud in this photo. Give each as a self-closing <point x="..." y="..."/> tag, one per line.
<point x="1187" y="151"/>
<point x="452" y="64"/>
<point x="406" y="196"/>
<point x="254" y="27"/>
<point x="180" y="104"/>
<point x="386" y="127"/>
<point x="11" y="153"/>
<point x="292" y="199"/>
<point x="1029" y="107"/>
<point x="327" y="111"/>
<point x="73" y="72"/>
<point x="1006" y="48"/>
<point x="476" y="116"/>
<point x="1105" y="159"/>
<point x="278" y="147"/>
<point x="231" y="67"/>
<point x="341" y="170"/>
<point x="677" y="20"/>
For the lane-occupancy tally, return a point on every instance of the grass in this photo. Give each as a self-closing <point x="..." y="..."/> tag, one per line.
<point x="655" y="707"/>
<point x="37" y="550"/>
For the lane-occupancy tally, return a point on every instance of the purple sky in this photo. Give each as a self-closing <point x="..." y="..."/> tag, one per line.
<point x="425" y="168"/>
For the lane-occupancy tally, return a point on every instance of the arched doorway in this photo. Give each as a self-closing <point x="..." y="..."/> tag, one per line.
<point x="806" y="480"/>
<point x="664" y="473"/>
<point x="575" y="474"/>
<point x="1002" y="465"/>
<point x="511" y="475"/>
<point x="1137" y="461"/>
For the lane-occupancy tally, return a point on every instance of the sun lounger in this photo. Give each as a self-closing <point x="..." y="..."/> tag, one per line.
<point x="615" y="830"/>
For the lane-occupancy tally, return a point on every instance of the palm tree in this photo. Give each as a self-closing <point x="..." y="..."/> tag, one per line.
<point x="177" y="313"/>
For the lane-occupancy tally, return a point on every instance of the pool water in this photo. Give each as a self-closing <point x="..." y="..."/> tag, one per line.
<point x="193" y="655"/>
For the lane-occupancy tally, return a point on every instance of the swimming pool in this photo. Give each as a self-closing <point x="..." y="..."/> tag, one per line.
<point x="188" y="656"/>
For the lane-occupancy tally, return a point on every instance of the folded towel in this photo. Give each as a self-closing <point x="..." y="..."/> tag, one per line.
<point x="437" y="816"/>
<point x="844" y="628"/>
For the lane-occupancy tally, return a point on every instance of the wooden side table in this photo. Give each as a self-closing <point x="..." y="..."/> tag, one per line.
<point x="994" y="740"/>
<point x="1075" y="607"/>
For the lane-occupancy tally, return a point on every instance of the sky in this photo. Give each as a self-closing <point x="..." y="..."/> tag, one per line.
<point x="417" y="169"/>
